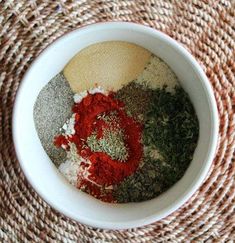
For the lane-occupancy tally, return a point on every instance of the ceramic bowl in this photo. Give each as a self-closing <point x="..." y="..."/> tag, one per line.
<point x="44" y="176"/>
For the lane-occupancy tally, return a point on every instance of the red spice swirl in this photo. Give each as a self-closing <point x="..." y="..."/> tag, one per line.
<point x="104" y="170"/>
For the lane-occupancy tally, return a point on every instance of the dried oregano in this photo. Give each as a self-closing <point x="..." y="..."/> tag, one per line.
<point x="136" y="98"/>
<point x="112" y="141"/>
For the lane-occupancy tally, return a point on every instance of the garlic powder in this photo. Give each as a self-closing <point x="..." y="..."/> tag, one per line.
<point x="79" y="96"/>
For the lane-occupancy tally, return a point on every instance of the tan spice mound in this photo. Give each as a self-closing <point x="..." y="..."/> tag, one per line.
<point x="108" y="64"/>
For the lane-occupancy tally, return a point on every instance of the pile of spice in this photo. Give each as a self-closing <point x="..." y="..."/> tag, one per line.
<point x="55" y="99"/>
<point x="107" y="139"/>
<point x="131" y="145"/>
<point x="169" y="138"/>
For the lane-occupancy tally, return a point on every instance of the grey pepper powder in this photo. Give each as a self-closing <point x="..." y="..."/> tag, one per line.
<point x="52" y="108"/>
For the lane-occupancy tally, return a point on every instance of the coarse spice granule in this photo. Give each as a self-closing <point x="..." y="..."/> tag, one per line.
<point x="168" y="138"/>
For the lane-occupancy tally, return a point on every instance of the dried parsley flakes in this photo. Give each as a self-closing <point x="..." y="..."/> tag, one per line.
<point x="170" y="128"/>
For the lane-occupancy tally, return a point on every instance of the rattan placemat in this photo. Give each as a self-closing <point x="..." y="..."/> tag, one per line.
<point x="206" y="29"/>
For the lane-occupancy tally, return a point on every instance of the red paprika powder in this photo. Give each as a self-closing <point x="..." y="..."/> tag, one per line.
<point x="103" y="170"/>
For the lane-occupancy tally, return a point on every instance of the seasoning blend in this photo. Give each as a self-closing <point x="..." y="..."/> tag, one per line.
<point x="120" y="144"/>
<point x="125" y="151"/>
<point x="108" y="141"/>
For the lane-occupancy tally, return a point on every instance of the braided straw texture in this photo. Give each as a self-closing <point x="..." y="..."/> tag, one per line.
<point x="206" y="28"/>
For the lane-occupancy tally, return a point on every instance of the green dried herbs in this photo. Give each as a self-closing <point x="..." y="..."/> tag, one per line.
<point x="171" y="128"/>
<point x="113" y="139"/>
<point x="142" y="185"/>
<point x="112" y="143"/>
<point x="136" y="98"/>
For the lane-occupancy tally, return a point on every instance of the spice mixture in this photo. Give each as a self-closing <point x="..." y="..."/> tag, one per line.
<point x="131" y="145"/>
<point x="124" y="146"/>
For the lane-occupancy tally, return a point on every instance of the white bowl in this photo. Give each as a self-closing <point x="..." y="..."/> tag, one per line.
<point x="42" y="173"/>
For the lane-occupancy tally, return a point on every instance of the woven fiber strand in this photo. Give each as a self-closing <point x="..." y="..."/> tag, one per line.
<point x="206" y="29"/>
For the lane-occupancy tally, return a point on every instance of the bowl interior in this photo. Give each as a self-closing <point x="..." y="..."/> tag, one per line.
<point x="44" y="176"/>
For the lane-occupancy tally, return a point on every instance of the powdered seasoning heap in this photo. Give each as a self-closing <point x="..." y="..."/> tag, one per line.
<point x="107" y="139"/>
<point x="128" y="144"/>
<point x="130" y="161"/>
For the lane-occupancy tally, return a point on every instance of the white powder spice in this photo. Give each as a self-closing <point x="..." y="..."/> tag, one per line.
<point x="157" y="74"/>
<point x="70" y="168"/>
<point x="78" y="97"/>
<point x="68" y="127"/>
<point x="98" y="89"/>
<point x="70" y="171"/>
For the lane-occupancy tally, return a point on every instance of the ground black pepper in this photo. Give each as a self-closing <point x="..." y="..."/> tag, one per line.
<point x="51" y="109"/>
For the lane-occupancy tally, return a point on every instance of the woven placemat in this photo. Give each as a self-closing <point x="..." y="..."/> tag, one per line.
<point x="206" y="29"/>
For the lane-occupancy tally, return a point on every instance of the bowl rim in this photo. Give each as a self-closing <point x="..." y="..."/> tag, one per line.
<point x="212" y="145"/>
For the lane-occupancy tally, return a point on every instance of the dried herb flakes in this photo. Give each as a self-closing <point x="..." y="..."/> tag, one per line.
<point x="170" y="127"/>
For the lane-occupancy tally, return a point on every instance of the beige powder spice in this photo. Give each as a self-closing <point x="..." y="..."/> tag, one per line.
<point x="109" y="64"/>
<point x="157" y="73"/>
